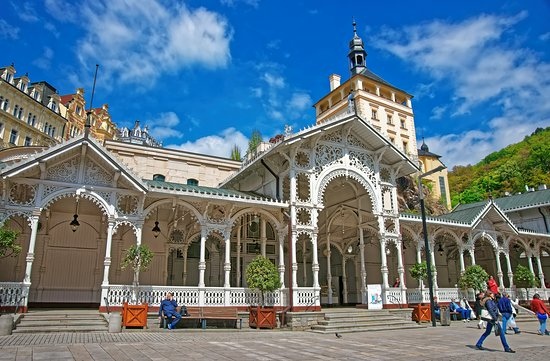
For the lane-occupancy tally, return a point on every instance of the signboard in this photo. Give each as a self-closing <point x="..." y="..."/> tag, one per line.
<point x="374" y="296"/>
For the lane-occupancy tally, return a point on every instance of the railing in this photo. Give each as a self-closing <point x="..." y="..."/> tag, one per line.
<point x="303" y="296"/>
<point x="13" y="294"/>
<point x="394" y="300"/>
<point x="117" y="295"/>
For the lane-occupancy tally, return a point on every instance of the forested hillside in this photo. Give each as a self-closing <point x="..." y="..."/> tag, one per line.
<point x="508" y="171"/>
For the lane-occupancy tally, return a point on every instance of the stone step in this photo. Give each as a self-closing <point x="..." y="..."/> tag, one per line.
<point x="37" y="321"/>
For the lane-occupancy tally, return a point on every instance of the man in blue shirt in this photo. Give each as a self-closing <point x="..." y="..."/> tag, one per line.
<point x="506" y="310"/>
<point x="465" y="313"/>
<point x="169" y="308"/>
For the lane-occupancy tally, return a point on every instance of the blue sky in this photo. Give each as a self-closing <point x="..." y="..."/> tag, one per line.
<point x="202" y="75"/>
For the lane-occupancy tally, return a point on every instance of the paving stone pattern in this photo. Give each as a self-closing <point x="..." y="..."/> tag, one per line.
<point x="455" y="342"/>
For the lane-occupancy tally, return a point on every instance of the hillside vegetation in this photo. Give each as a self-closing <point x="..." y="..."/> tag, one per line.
<point x="508" y="171"/>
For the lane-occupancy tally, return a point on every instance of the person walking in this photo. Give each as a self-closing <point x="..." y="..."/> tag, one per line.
<point x="539" y="308"/>
<point x="477" y="309"/>
<point x="489" y="304"/>
<point x="506" y="310"/>
<point x="512" y="325"/>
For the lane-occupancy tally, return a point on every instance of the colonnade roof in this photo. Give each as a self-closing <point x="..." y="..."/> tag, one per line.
<point x="210" y="192"/>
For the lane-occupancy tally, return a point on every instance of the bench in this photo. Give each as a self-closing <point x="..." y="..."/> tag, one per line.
<point x="203" y="314"/>
<point x="455" y="316"/>
<point x="194" y="313"/>
<point x="221" y="313"/>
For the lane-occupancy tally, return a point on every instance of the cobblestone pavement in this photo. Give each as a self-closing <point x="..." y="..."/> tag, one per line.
<point x="440" y="343"/>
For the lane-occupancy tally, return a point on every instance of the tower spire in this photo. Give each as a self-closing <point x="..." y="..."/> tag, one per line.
<point x="357" y="55"/>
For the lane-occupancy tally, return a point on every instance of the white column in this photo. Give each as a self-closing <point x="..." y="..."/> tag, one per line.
<point x="304" y="262"/>
<point x="384" y="266"/>
<point x="107" y="261"/>
<point x="227" y="263"/>
<point x="530" y="262"/>
<point x="499" y="270"/>
<point x="472" y="256"/>
<point x="329" y="272"/>
<point x="400" y="268"/>
<point x="363" y="268"/>
<point x="434" y="268"/>
<point x="509" y="266"/>
<point x="282" y="257"/>
<point x="32" y="244"/>
<point x="315" y="262"/>
<point x="419" y="260"/>
<point x="541" y="274"/>
<point x="263" y="237"/>
<point x="202" y="259"/>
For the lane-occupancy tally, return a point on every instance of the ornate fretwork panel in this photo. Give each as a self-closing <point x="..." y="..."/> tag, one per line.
<point x="326" y="155"/>
<point x="302" y="160"/>
<point x="286" y="188"/>
<point x="217" y="213"/>
<point x="303" y="184"/>
<point x="22" y="194"/>
<point x="303" y="216"/>
<point x="65" y="172"/>
<point x="95" y="175"/>
<point x="127" y="204"/>
<point x="49" y="189"/>
<point x="364" y="162"/>
<point x="385" y="175"/>
<point x="176" y="237"/>
<point x="334" y="137"/>
<point x="353" y="141"/>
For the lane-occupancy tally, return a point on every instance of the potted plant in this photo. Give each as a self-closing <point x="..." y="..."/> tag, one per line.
<point x="262" y="275"/>
<point x="138" y="257"/>
<point x="474" y="277"/>
<point x="524" y="278"/>
<point x="421" y="312"/>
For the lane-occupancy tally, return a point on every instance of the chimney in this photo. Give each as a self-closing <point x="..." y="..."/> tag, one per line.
<point x="334" y="80"/>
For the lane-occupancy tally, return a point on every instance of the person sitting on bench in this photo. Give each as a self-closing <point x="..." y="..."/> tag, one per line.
<point x="169" y="309"/>
<point x="464" y="313"/>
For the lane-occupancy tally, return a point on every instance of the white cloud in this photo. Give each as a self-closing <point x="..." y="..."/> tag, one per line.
<point x="217" y="145"/>
<point x="273" y="80"/>
<point x="233" y="3"/>
<point x="63" y="11"/>
<point x="27" y="13"/>
<point x="438" y="112"/>
<point x="165" y="126"/>
<point x="7" y="31"/>
<point x="137" y="42"/>
<point x="45" y="60"/>
<point x="484" y="69"/>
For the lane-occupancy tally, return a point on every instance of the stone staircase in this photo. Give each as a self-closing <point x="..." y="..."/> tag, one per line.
<point x="58" y="320"/>
<point x="345" y="320"/>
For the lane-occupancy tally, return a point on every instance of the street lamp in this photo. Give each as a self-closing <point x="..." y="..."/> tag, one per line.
<point x="426" y="242"/>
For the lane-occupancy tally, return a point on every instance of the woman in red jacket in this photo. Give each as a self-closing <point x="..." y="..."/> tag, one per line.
<point x="492" y="285"/>
<point x="541" y="311"/>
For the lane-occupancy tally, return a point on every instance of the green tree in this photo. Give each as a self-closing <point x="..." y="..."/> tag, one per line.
<point x="8" y="247"/>
<point x="474" y="277"/>
<point x="254" y="141"/>
<point x="419" y="271"/>
<point x="236" y="153"/>
<point x="138" y="258"/>
<point x="524" y="278"/>
<point x="262" y="275"/>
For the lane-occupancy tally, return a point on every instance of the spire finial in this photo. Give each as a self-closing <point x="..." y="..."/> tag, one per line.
<point x="354" y="27"/>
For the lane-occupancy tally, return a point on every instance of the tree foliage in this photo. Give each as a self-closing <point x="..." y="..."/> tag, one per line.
<point x="8" y="247"/>
<point x="138" y="258"/>
<point x="236" y="153"/>
<point x="507" y="171"/>
<point x="474" y="277"/>
<point x="262" y="274"/>
<point x="523" y="277"/>
<point x="419" y="271"/>
<point x="254" y="141"/>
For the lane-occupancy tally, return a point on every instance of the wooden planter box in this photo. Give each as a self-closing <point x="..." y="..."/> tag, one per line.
<point x="422" y="313"/>
<point x="262" y="317"/>
<point x="134" y="315"/>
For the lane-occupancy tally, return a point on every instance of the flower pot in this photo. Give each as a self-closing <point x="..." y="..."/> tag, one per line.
<point x="262" y="317"/>
<point x="134" y="315"/>
<point x="422" y="313"/>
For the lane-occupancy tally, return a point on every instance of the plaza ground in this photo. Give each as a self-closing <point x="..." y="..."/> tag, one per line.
<point x="455" y="342"/>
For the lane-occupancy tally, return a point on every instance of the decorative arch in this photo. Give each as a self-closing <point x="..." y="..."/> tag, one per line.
<point x="92" y="196"/>
<point x="331" y="174"/>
